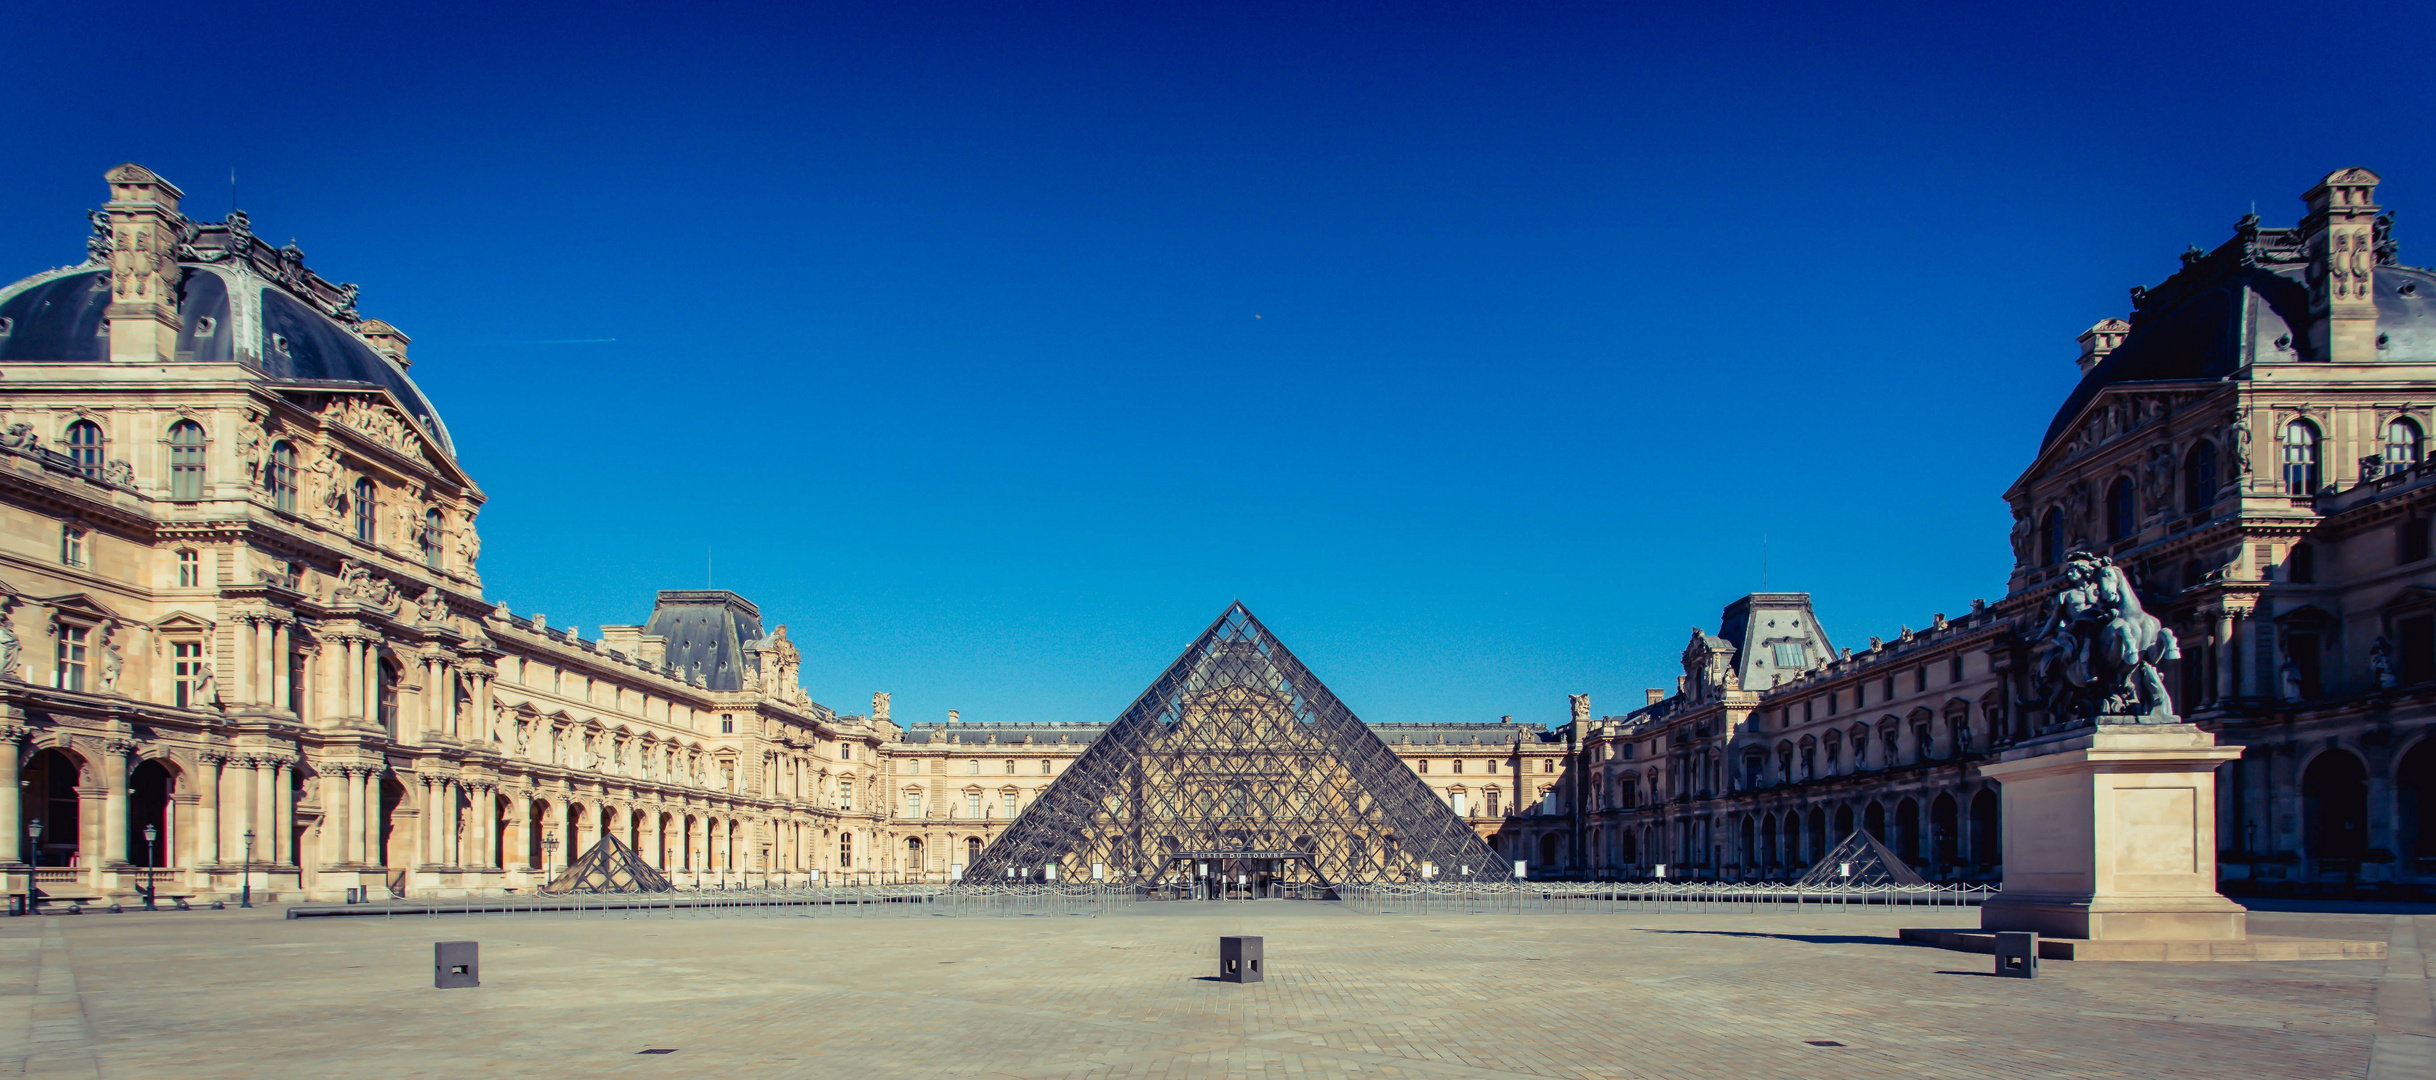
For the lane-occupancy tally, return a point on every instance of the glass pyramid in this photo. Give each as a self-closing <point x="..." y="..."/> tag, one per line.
<point x="610" y="867"/>
<point x="1872" y="863"/>
<point x="1238" y="761"/>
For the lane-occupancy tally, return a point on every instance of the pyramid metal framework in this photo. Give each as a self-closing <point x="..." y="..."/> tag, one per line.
<point x="1238" y="755"/>
<point x="1872" y="863"/>
<point x="610" y="867"/>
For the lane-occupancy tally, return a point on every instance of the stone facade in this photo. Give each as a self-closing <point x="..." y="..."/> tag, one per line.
<point x="2251" y="446"/>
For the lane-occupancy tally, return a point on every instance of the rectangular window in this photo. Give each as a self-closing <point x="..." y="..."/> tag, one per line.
<point x="1889" y="695"/>
<point x="1459" y="805"/>
<point x="186" y="672"/>
<point x="1045" y="768"/>
<point x="1010" y="767"/>
<point x="1792" y="654"/>
<point x="72" y="544"/>
<point x="972" y="804"/>
<point x="1007" y="801"/>
<point x="185" y="467"/>
<point x="1954" y="668"/>
<point x="1807" y="715"/>
<point x="1458" y="766"/>
<point x="914" y="766"/>
<point x="190" y="569"/>
<point x="727" y="725"/>
<point x="913" y="804"/>
<point x="1423" y="764"/>
<point x="1920" y="679"/>
<point x="1492" y="796"/>
<point x="845" y="751"/>
<point x="74" y="642"/>
<point x="1831" y="703"/>
<point x="2414" y="540"/>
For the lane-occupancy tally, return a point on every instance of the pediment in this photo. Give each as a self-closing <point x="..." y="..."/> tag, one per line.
<point x="182" y="622"/>
<point x="81" y="605"/>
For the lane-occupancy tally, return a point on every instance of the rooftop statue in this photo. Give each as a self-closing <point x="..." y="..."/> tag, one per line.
<point x="2100" y="651"/>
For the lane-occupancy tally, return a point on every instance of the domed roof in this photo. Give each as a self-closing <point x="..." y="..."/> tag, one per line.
<point x="230" y="313"/>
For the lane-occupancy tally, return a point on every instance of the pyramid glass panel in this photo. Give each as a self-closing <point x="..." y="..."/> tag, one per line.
<point x="1238" y="761"/>
<point x="1860" y="862"/>
<point x="610" y="867"/>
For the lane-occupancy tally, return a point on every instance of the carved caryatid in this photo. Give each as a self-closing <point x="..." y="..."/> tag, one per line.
<point x="2100" y="652"/>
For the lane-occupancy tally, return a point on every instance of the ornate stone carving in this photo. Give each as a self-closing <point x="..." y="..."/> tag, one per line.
<point x="357" y="583"/>
<point x="1581" y="707"/>
<point x="378" y="422"/>
<point x="118" y="474"/>
<point x="2100" y="651"/>
<point x="432" y="607"/>
<point x="253" y="442"/>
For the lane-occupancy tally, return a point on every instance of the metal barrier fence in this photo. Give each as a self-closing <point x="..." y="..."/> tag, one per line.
<point x="1089" y="899"/>
<point x="1653" y="897"/>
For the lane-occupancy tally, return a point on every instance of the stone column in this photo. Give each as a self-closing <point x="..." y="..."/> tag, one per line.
<point x="351" y="839"/>
<point x="482" y="704"/>
<point x="430" y="820"/>
<point x="334" y="819"/>
<point x="520" y="822"/>
<point x="241" y="660"/>
<point x="350" y="672"/>
<point x="283" y="812"/>
<point x="264" y="818"/>
<point x="371" y="780"/>
<point x="2226" y="645"/>
<point x="281" y="665"/>
<point x="114" y="806"/>
<point x="12" y="812"/>
<point x="207" y="807"/>
<point x="369" y="684"/>
<point x="261" y="644"/>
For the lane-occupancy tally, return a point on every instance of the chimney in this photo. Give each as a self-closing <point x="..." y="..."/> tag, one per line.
<point x="1654" y="695"/>
<point x="2099" y="340"/>
<point x="951" y="716"/>
<point x="385" y="340"/>
<point x="145" y="231"/>
<point x="2340" y="232"/>
<point x="879" y="705"/>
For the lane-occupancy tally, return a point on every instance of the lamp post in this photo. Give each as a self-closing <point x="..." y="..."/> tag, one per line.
<point x="549" y="853"/>
<point x="150" y="834"/>
<point x="33" y="858"/>
<point x="245" y="895"/>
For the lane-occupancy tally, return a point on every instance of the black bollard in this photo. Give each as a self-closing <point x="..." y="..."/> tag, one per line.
<point x="1240" y="960"/>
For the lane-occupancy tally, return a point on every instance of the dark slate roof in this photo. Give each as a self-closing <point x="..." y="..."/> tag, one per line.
<point x="59" y="321"/>
<point x="707" y="630"/>
<point x="2223" y="307"/>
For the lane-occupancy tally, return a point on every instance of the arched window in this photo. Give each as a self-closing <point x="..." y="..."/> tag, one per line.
<point x="367" y="510"/>
<point x="431" y="539"/>
<point x="85" y="448"/>
<point x="2401" y="445"/>
<point x="2119" y="510"/>
<point x="281" y="476"/>
<point x="186" y="461"/>
<point x="2199" y="479"/>
<point x="972" y="849"/>
<point x="2301" y="458"/>
<point x="2051" y="538"/>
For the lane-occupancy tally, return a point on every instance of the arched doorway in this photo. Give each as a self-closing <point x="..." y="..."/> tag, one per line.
<point x="1987" y="830"/>
<point x="1749" y="856"/>
<point x="535" y="855"/>
<point x="49" y="800"/>
<point x="1944" y="819"/>
<point x="2334" y="811"/>
<point x="1843" y="828"/>
<point x="913" y="855"/>
<point x="1768" y="854"/>
<point x="148" y="801"/>
<point x="1547" y="850"/>
<point x="1818" y="837"/>
<point x="972" y="850"/>
<point x="1632" y="850"/>
<point x="2415" y="792"/>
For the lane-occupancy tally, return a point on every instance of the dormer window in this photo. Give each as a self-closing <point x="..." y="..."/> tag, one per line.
<point x="2301" y="458"/>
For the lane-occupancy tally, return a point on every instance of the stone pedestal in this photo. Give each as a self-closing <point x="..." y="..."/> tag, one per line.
<point x="2110" y="834"/>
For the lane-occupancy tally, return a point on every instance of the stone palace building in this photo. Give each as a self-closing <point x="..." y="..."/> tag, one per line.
<point x="244" y="638"/>
<point x="2251" y="444"/>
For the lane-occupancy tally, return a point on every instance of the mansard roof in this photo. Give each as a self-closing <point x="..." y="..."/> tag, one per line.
<point x="286" y="324"/>
<point x="707" y="630"/>
<point x="2246" y="301"/>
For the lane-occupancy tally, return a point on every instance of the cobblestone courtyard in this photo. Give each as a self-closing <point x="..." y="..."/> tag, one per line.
<point x="1690" y="995"/>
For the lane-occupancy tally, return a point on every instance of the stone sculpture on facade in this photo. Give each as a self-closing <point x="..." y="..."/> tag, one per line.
<point x="2101" y="651"/>
<point x="10" y="645"/>
<point x="2381" y="663"/>
<point x="1581" y="707"/>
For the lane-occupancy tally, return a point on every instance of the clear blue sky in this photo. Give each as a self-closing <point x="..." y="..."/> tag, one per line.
<point x="995" y="348"/>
